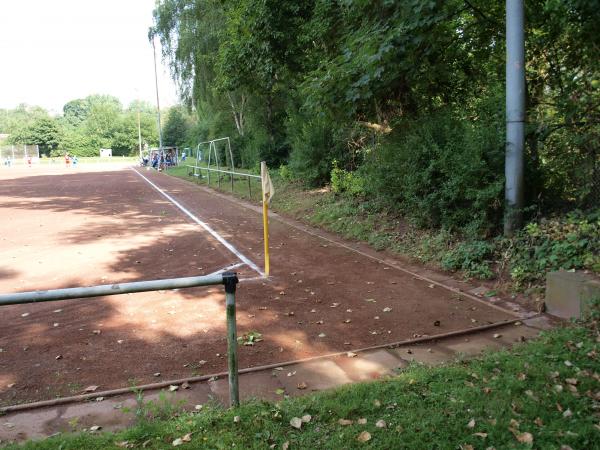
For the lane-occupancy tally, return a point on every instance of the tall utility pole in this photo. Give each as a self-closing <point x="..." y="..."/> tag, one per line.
<point x="515" y="115"/>
<point x="139" y="131"/>
<point x="160" y="141"/>
<point x="139" y="107"/>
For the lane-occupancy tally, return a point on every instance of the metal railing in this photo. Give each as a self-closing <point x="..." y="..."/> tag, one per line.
<point x="228" y="279"/>
<point x="197" y="172"/>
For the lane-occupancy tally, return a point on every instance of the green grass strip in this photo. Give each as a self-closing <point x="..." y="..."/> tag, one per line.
<point x="541" y="394"/>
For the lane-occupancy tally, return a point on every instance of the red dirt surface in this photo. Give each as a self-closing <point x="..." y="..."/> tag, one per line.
<point x="100" y="225"/>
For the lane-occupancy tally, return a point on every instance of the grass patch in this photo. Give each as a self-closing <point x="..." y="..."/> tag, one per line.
<point x="546" y="390"/>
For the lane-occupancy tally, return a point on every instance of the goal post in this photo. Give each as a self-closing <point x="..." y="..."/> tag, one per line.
<point x="18" y="152"/>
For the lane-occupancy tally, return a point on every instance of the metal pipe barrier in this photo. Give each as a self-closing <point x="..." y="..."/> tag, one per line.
<point x="228" y="279"/>
<point x="197" y="172"/>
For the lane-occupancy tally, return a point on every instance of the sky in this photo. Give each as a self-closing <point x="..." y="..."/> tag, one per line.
<point x="54" y="51"/>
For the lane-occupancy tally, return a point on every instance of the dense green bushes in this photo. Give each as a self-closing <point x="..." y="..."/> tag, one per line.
<point x="406" y="97"/>
<point x="441" y="171"/>
<point x="568" y="242"/>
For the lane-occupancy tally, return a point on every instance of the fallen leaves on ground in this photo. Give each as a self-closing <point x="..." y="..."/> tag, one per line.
<point x="364" y="436"/>
<point x="250" y="338"/>
<point x="381" y="424"/>
<point x="345" y="422"/>
<point x="525" y="438"/>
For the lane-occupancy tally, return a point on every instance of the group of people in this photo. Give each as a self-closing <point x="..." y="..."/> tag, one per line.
<point x="70" y="160"/>
<point x="8" y="161"/>
<point x="159" y="161"/>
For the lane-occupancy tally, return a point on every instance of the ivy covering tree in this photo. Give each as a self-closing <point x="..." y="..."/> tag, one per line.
<point x="403" y="100"/>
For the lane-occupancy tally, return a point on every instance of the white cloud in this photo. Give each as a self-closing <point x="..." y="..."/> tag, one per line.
<point x="53" y="51"/>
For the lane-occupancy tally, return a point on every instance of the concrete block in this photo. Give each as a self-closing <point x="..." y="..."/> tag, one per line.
<point x="543" y="322"/>
<point x="430" y="355"/>
<point x="568" y="293"/>
<point x="370" y="365"/>
<point x="512" y="334"/>
<point x="318" y="375"/>
<point x="261" y="385"/>
<point x="473" y="345"/>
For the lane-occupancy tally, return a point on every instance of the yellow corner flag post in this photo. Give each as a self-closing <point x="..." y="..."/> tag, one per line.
<point x="267" y="195"/>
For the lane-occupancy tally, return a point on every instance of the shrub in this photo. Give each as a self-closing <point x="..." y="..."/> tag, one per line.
<point x="442" y="172"/>
<point x="344" y="181"/>
<point x="285" y="173"/>
<point x="568" y="242"/>
<point x="474" y="258"/>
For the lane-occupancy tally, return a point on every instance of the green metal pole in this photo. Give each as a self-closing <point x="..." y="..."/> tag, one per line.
<point x="230" y="281"/>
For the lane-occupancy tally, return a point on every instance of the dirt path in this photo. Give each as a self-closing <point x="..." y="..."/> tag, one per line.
<point x="65" y="228"/>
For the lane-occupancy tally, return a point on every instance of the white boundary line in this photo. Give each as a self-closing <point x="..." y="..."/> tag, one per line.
<point x="212" y="232"/>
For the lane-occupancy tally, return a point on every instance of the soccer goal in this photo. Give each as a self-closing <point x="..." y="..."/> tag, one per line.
<point x="19" y="152"/>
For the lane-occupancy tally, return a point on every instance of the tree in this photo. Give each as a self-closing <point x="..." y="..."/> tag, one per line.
<point x="43" y="131"/>
<point x="76" y="111"/>
<point x="176" y="127"/>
